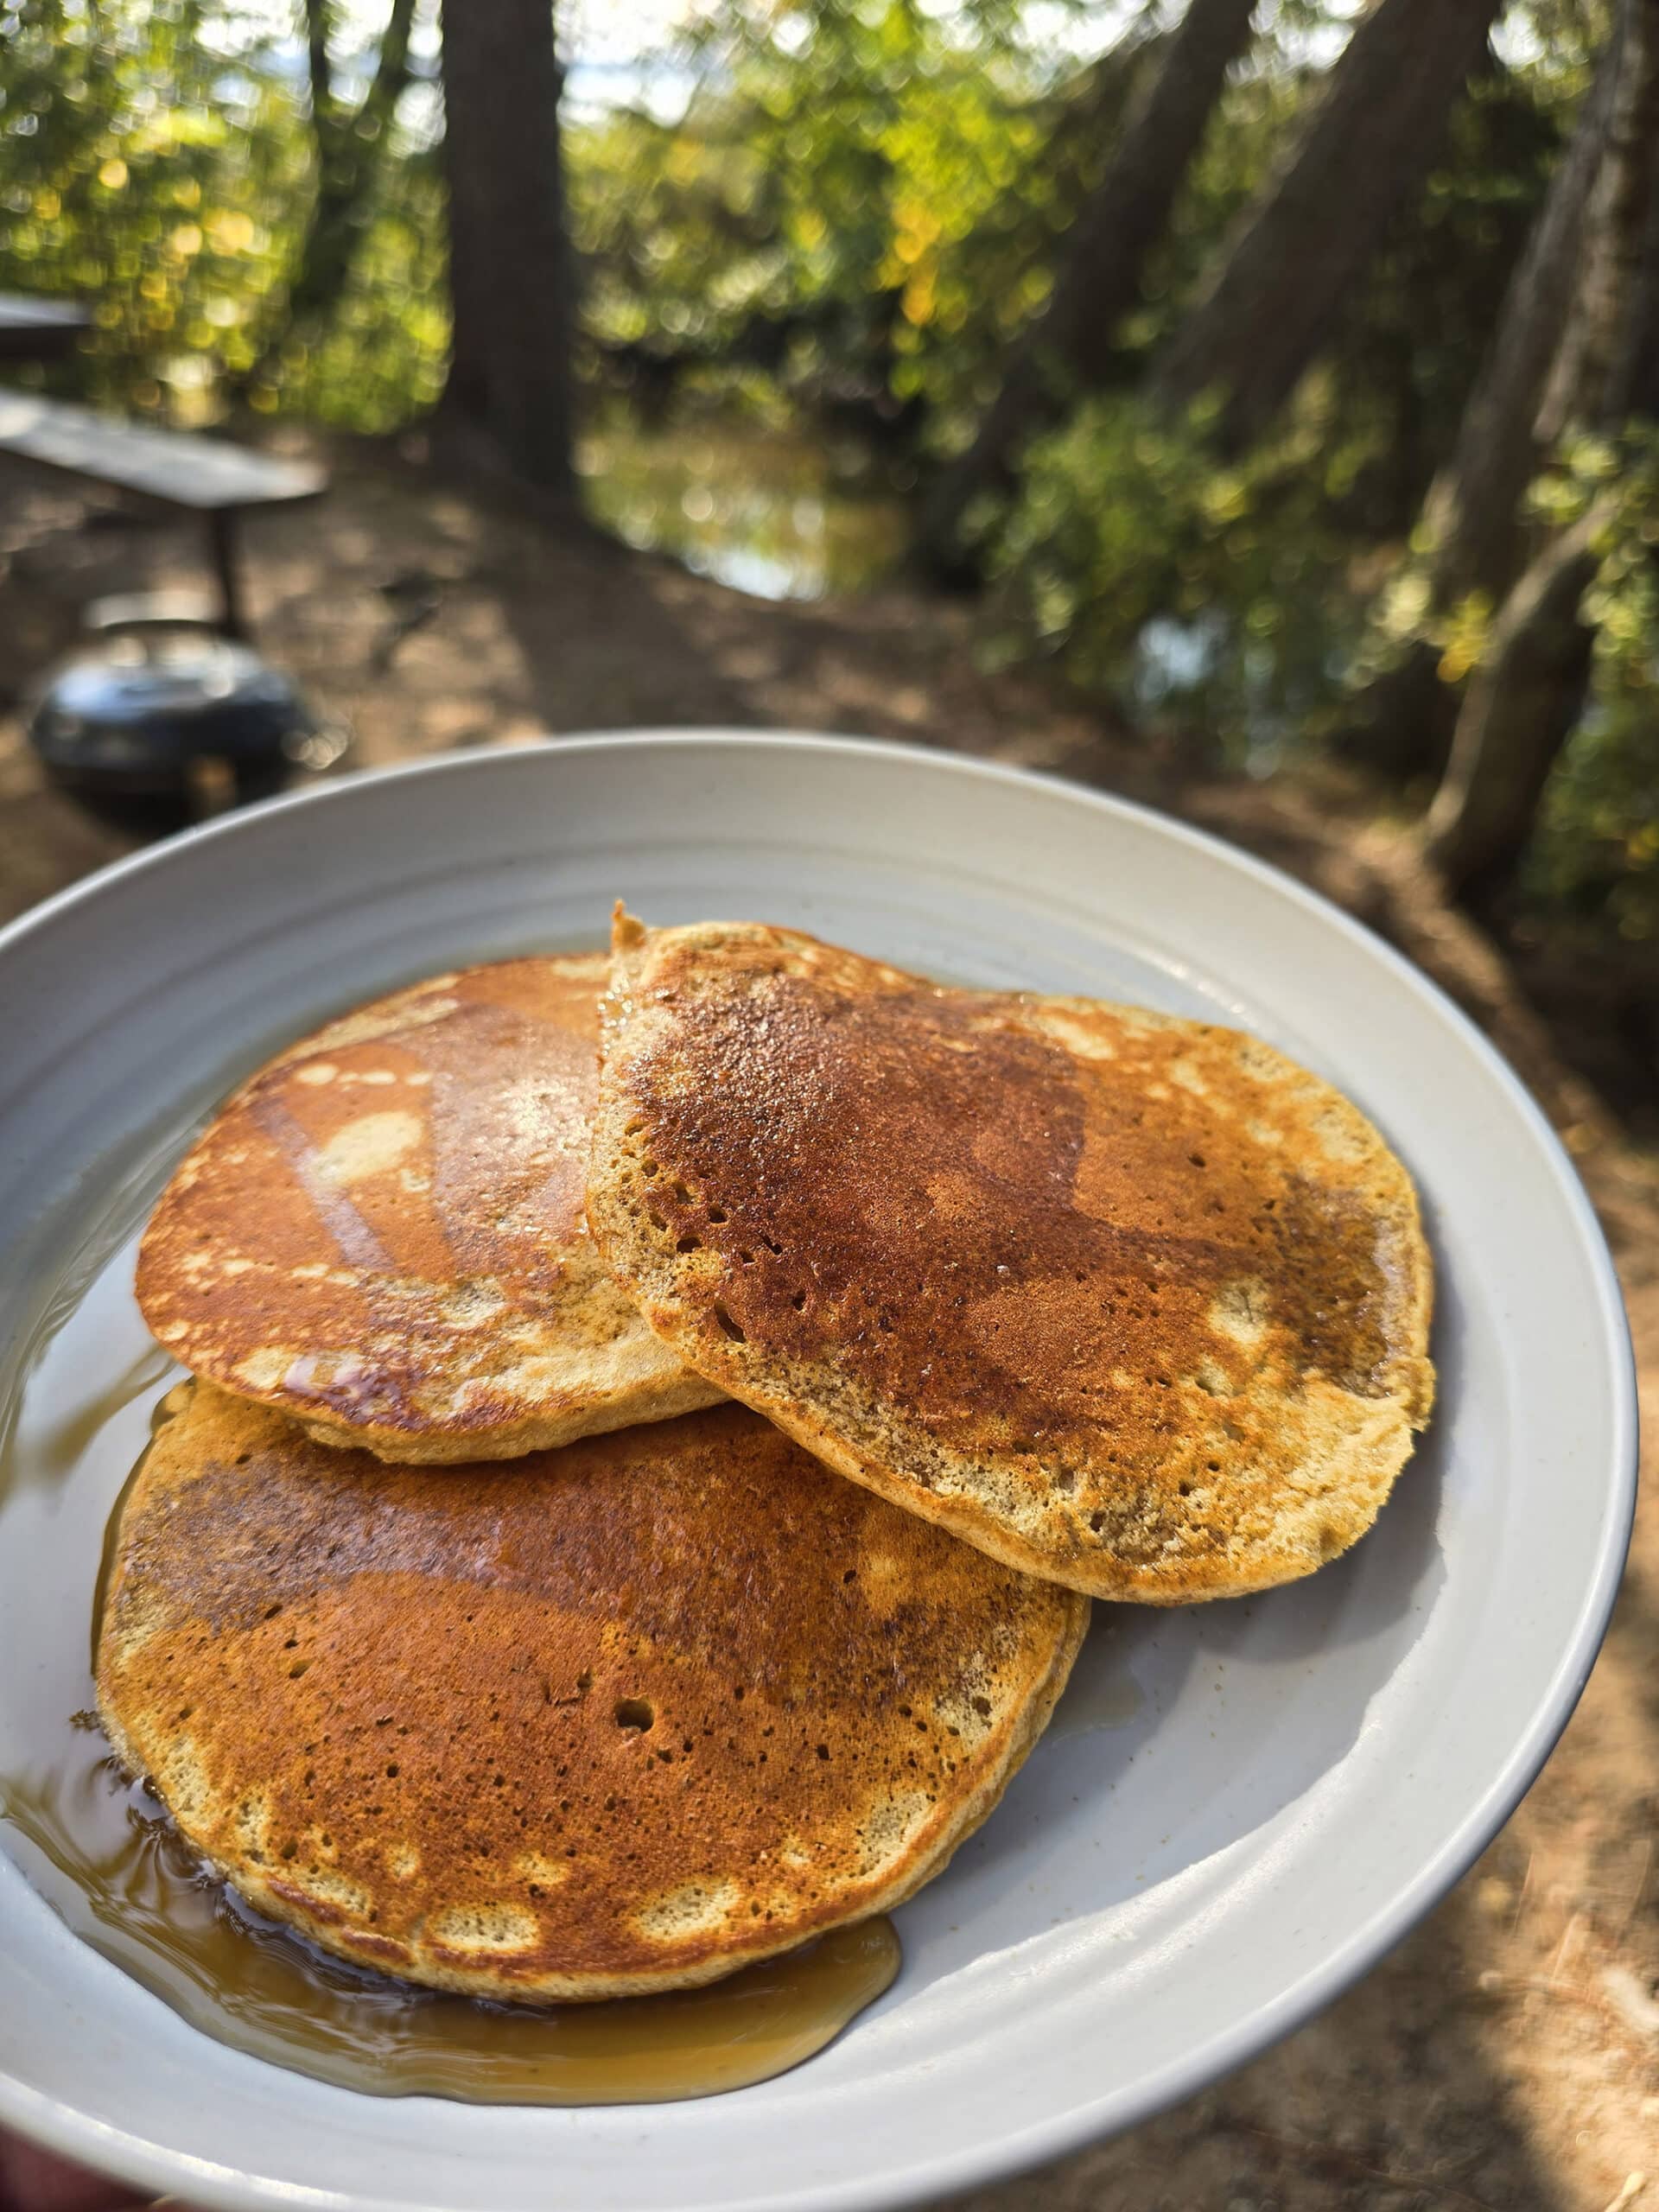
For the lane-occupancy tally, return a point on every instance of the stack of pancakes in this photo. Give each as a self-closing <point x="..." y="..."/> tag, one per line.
<point x="464" y="1623"/>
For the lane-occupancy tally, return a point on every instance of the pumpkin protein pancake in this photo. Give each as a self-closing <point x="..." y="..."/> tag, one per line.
<point x="381" y="1233"/>
<point x="626" y="1717"/>
<point x="1128" y="1301"/>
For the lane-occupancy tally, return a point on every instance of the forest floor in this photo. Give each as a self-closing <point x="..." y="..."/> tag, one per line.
<point x="1506" y="2056"/>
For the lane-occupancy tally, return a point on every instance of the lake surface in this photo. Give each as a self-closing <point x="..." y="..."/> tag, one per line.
<point x="777" y="513"/>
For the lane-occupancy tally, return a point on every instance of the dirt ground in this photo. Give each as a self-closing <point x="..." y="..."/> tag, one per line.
<point x="1506" y="2056"/>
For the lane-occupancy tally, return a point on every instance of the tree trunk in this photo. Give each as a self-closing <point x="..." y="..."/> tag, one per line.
<point x="348" y="148"/>
<point x="1471" y="513"/>
<point x="509" y="381"/>
<point x="1471" y="516"/>
<point x="1521" y="701"/>
<point x="1526" y="698"/>
<point x="1365" y="148"/>
<point x="1070" y="343"/>
<point x="1593" y="373"/>
<point x="1639" y="370"/>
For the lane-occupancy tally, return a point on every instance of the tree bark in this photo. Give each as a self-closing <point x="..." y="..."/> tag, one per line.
<point x="1069" y="345"/>
<point x="1638" y="370"/>
<point x="1365" y="147"/>
<point x="319" y="26"/>
<point x="1593" y="373"/>
<point x="1471" y="516"/>
<point x="1525" y="699"/>
<point x="1471" y="513"/>
<point x="510" y="268"/>
<point x="1522" y="700"/>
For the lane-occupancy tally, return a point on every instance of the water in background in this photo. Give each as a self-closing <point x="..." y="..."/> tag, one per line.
<point x="767" y="510"/>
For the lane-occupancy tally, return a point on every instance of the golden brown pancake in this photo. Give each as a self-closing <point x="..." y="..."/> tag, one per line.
<point x="1132" y="1302"/>
<point x="382" y="1232"/>
<point x="623" y="1717"/>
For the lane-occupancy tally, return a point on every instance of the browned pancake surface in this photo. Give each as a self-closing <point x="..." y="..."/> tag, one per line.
<point x="1131" y="1302"/>
<point x="622" y="1716"/>
<point x="383" y="1231"/>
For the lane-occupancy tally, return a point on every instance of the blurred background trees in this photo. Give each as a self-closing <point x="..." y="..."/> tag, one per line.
<point x="1284" y="376"/>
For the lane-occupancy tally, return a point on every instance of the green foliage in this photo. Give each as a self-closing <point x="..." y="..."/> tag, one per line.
<point x="1243" y="603"/>
<point x="853" y="220"/>
<point x="140" y="171"/>
<point x="678" y="229"/>
<point x="867" y="208"/>
<point x="1238" y="598"/>
<point x="1219" y="596"/>
<point x="1597" y="847"/>
<point x="380" y="361"/>
<point x="153" y="162"/>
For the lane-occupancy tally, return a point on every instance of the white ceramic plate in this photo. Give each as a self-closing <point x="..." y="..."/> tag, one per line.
<point x="1240" y="1806"/>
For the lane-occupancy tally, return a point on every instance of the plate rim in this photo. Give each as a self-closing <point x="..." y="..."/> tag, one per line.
<point x="61" y="2128"/>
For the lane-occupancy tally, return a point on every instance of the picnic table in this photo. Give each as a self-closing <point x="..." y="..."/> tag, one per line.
<point x="180" y="469"/>
<point x="34" y="329"/>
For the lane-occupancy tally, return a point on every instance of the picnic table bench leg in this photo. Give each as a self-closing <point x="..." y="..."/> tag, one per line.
<point x="222" y="541"/>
